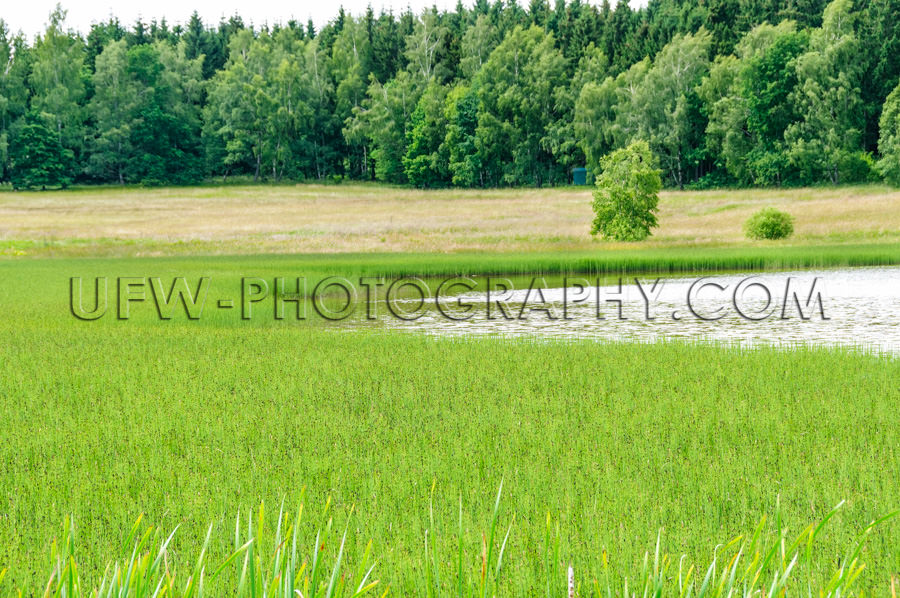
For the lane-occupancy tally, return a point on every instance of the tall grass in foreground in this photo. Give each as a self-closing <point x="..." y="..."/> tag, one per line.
<point x="149" y="570"/>
<point x="764" y="564"/>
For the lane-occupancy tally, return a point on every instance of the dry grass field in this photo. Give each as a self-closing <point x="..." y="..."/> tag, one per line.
<point x="364" y="218"/>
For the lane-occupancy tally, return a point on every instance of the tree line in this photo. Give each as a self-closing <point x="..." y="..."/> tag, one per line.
<point x="724" y="92"/>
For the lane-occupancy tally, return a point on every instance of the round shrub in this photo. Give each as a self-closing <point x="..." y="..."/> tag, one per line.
<point x="769" y="223"/>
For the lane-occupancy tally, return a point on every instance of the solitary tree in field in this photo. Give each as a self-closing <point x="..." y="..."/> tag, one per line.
<point x="627" y="194"/>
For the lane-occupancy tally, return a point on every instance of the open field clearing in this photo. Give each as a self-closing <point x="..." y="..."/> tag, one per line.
<point x="365" y="218"/>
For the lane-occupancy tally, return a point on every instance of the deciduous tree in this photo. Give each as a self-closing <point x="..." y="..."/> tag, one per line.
<point x="57" y="81"/>
<point x="626" y="197"/>
<point x="826" y="141"/>
<point x="889" y="142"/>
<point x="522" y="93"/>
<point x="114" y="109"/>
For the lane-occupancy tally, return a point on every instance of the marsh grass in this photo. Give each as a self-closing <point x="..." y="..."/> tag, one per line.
<point x="191" y="423"/>
<point x="23" y="274"/>
<point x="766" y="563"/>
<point x="276" y="567"/>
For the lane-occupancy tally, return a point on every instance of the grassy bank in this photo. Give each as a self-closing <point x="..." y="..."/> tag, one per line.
<point x="371" y="218"/>
<point x="24" y="272"/>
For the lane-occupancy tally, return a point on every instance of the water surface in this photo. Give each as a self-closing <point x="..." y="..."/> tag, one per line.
<point x="858" y="307"/>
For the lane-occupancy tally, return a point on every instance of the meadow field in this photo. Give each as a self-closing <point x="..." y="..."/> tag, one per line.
<point x="403" y="439"/>
<point x="368" y="218"/>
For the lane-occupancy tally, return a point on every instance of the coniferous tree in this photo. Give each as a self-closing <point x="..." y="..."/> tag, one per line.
<point x="14" y="57"/>
<point x="99" y="36"/>
<point x="37" y="157"/>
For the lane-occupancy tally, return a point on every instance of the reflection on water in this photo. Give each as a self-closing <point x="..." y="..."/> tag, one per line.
<point x="861" y="307"/>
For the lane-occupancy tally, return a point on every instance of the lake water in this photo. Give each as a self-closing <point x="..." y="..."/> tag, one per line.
<point x="857" y="307"/>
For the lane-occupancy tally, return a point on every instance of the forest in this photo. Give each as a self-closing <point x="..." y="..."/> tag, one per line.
<point x="725" y="93"/>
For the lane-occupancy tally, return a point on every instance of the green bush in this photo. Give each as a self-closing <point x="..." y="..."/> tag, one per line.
<point x="769" y="223"/>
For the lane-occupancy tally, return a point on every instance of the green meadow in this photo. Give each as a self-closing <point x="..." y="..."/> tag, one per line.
<point x="406" y="439"/>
